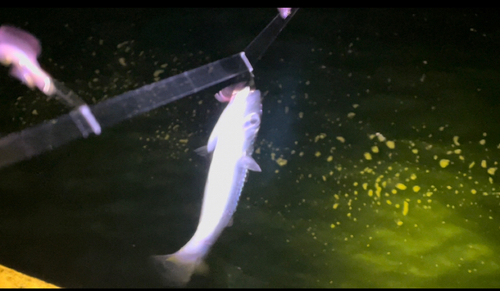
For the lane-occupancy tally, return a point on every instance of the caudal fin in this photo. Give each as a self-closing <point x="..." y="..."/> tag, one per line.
<point x="175" y="269"/>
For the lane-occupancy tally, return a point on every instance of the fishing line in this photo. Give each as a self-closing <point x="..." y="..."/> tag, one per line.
<point x="86" y="120"/>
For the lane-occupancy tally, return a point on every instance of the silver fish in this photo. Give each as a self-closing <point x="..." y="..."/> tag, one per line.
<point x="231" y="142"/>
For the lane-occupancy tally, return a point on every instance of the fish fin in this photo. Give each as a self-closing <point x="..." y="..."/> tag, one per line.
<point x="250" y="164"/>
<point x="202" y="151"/>
<point x="175" y="269"/>
<point x="201" y="268"/>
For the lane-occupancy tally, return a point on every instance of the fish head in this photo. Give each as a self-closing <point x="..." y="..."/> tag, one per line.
<point x="253" y="111"/>
<point x="252" y="116"/>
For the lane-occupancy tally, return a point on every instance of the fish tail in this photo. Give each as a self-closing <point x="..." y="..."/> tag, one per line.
<point x="176" y="269"/>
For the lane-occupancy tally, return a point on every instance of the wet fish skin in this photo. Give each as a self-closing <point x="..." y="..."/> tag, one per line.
<point x="231" y="142"/>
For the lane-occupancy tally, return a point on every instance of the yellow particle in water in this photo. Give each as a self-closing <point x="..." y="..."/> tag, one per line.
<point x="122" y="61"/>
<point x="329" y="159"/>
<point x="415" y="151"/>
<point x="301" y="114"/>
<point x="394" y="191"/>
<point x="370" y="192"/>
<point x="368" y="156"/>
<point x="483" y="164"/>
<point x="375" y="149"/>
<point x="413" y="176"/>
<point x="399" y="223"/>
<point x="455" y="140"/>
<point x="388" y="202"/>
<point x="405" y="208"/>
<point x="390" y="144"/>
<point x="335" y="205"/>
<point x="428" y="194"/>
<point x="317" y="154"/>
<point x="416" y="188"/>
<point x="332" y="225"/>
<point x="473" y="191"/>
<point x="355" y="106"/>
<point x="365" y="186"/>
<point x="471" y="165"/>
<point x="482" y="142"/>
<point x="157" y="73"/>
<point x="324" y="178"/>
<point x="351" y="114"/>
<point x="341" y="139"/>
<point x="355" y="184"/>
<point x="380" y="137"/>
<point x="491" y="180"/>
<point x="401" y="186"/>
<point x="281" y="162"/>
<point x="457" y="151"/>
<point x="319" y="136"/>
<point x="444" y="163"/>
<point x="492" y="171"/>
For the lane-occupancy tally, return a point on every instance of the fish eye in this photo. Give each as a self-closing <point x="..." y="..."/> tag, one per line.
<point x="252" y="120"/>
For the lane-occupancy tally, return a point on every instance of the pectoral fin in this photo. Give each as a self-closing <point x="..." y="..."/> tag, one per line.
<point x="202" y="151"/>
<point x="250" y="164"/>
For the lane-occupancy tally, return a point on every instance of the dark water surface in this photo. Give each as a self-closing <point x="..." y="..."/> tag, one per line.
<point x="379" y="146"/>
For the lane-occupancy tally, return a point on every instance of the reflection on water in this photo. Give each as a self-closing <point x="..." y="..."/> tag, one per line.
<point x="379" y="150"/>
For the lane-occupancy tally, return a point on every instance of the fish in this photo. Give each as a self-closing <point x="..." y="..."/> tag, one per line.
<point x="20" y="50"/>
<point x="231" y="142"/>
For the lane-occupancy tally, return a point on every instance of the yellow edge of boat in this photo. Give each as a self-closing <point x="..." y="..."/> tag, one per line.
<point x="10" y="278"/>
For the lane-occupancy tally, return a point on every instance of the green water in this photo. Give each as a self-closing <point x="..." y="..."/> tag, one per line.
<point x="379" y="146"/>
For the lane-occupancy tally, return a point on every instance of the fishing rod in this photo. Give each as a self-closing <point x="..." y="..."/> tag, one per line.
<point x="84" y="120"/>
